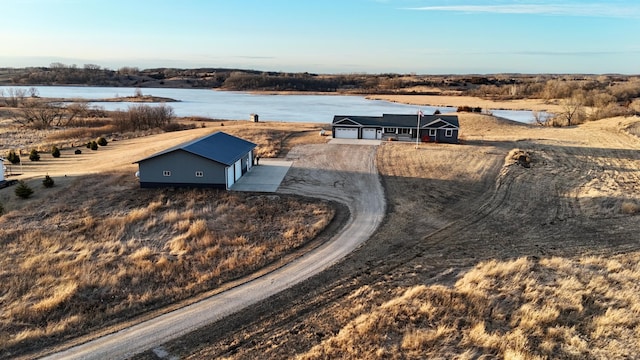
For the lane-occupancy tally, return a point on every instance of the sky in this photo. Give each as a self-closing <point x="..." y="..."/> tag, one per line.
<point x="327" y="36"/>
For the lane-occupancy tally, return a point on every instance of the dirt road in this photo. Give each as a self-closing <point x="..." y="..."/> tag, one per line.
<point x="344" y="173"/>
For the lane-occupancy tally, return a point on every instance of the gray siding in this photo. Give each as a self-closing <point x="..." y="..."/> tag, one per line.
<point x="440" y="136"/>
<point x="183" y="167"/>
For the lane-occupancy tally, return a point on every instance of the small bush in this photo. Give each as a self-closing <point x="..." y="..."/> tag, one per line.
<point x="170" y="127"/>
<point x="102" y="141"/>
<point x="55" y="152"/>
<point x="13" y="157"/>
<point x="48" y="181"/>
<point x="630" y="208"/>
<point x="23" y="190"/>
<point x="467" y="108"/>
<point x="78" y="152"/>
<point x="93" y="145"/>
<point x="34" y="156"/>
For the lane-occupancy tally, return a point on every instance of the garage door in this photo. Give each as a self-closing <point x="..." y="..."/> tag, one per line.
<point x="238" y="169"/>
<point x="346" y="133"/>
<point x="230" y="177"/>
<point x="369" y="134"/>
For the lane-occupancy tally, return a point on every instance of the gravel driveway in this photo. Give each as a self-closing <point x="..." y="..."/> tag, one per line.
<point x="345" y="173"/>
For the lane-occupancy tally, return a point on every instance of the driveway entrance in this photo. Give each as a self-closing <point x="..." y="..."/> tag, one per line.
<point x="264" y="177"/>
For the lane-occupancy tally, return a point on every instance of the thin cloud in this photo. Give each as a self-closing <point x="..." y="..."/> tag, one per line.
<point x="593" y="9"/>
<point x="251" y="57"/>
<point x="577" y="53"/>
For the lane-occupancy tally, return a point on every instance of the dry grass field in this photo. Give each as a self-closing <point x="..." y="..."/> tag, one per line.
<point x="96" y="251"/>
<point x="478" y="257"/>
<point x="458" y="100"/>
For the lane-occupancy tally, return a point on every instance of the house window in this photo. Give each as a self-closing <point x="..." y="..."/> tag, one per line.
<point x="448" y="133"/>
<point x="389" y="130"/>
<point x="199" y="173"/>
<point x="405" y="131"/>
<point x="166" y="173"/>
<point x="432" y="132"/>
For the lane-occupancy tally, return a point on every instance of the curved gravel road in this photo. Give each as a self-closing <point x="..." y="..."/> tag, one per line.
<point x="346" y="173"/>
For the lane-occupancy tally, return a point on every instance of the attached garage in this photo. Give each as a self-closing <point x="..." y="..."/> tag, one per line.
<point x="369" y="133"/>
<point x="345" y="133"/>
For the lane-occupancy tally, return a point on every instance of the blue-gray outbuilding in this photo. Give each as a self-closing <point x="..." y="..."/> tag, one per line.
<point x="214" y="161"/>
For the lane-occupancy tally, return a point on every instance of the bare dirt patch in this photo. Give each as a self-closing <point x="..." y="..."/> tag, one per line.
<point x="477" y="256"/>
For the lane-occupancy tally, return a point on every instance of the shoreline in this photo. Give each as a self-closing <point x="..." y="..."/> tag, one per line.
<point x="457" y="101"/>
<point x="435" y="100"/>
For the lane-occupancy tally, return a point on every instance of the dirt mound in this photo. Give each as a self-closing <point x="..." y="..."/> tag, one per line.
<point x="519" y="157"/>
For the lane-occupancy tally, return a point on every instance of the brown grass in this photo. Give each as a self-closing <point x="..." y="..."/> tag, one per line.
<point x="455" y="100"/>
<point x="274" y="139"/>
<point x="630" y="207"/>
<point x="519" y="309"/>
<point x="104" y="250"/>
<point x="499" y="292"/>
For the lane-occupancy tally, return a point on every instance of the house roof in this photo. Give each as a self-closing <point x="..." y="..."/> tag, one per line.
<point x="220" y="147"/>
<point x="399" y="120"/>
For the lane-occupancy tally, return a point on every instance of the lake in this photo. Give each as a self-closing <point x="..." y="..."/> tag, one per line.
<point x="232" y="105"/>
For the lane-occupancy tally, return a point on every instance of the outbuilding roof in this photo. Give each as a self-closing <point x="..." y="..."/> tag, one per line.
<point x="402" y="120"/>
<point x="220" y="147"/>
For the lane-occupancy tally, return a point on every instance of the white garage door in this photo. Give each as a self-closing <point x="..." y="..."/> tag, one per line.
<point x="369" y="134"/>
<point x="346" y="133"/>
<point x="230" y="178"/>
<point x="238" y="169"/>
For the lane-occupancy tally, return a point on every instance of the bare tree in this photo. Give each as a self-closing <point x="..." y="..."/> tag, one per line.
<point x="78" y="109"/>
<point x="40" y="115"/>
<point x="573" y="109"/>
<point x="57" y="65"/>
<point x="541" y="118"/>
<point x="92" y="67"/>
<point x="15" y="97"/>
<point x="143" y="117"/>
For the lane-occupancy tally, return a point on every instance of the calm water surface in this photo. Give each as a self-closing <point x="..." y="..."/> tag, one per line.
<point x="239" y="105"/>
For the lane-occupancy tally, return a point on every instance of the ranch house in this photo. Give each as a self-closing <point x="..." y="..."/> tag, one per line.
<point x="215" y="161"/>
<point x="431" y="128"/>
